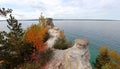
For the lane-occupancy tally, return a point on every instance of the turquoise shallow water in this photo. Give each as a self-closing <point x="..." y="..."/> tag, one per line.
<point x="99" y="33"/>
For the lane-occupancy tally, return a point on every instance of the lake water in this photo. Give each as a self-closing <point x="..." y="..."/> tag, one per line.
<point x="99" y="33"/>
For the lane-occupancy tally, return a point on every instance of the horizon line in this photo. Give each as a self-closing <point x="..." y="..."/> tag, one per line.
<point x="70" y="19"/>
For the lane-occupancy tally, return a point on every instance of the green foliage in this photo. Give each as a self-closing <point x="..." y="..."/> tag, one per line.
<point x="13" y="49"/>
<point x="46" y="56"/>
<point x="42" y="21"/>
<point x="102" y="58"/>
<point x="107" y="59"/>
<point x="106" y="66"/>
<point x="29" y="65"/>
<point x="4" y="12"/>
<point x="18" y="53"/>
<point x="62" y="44"/>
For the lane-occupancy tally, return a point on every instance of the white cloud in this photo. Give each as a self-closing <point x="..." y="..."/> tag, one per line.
<point x="64" y="8"/>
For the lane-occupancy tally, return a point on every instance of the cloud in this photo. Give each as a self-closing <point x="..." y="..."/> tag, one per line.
<point x="27" y="9"/>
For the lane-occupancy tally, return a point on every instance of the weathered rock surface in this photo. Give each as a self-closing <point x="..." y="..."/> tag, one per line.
<point x="54" y="36"/>
<point x="76" y="57"/>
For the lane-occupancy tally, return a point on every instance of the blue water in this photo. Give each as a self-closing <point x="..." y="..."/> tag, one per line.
<point x="99" y="33"/>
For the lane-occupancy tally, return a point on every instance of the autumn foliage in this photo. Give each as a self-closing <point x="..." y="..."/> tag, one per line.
<point x="107" y="59"/>
<point x="36" y="34"/>
<point x="115" y="59"/>
<point x="62" y="35"/>
<point x="62" y="42"/>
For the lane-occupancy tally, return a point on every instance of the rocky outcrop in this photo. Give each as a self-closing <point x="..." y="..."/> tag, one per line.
<point x="76" y="57"/>
<point x="54" y="36"/>
<point x="49" y="23"/>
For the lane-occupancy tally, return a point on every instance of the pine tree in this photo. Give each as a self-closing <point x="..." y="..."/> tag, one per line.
<point x="13" y="49"/>
<point x="103" y="58"/>
<point x="42" y="21"/>
<point x="4" y="12"/>
<point x="107" y="59"/>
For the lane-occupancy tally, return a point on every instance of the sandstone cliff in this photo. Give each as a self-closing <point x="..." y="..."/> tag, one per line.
<point x="76" y="57"/>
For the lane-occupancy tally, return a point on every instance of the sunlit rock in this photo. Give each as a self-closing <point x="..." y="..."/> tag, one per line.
<point x="76" y="57"/>
<point x="54" y="36"/>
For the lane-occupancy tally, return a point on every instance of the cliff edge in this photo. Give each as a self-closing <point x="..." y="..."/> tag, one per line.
<point x="75" y="57"/>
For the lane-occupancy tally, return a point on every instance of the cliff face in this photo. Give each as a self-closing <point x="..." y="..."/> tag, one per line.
<point x="54" y="36"/>
<point x="76" y="57"/>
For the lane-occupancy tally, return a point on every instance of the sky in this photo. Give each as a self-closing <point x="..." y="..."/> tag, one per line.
<point x="64" y="9"/>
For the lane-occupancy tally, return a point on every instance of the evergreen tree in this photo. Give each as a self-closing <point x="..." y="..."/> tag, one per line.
<point x="13" y="49"/>
<point x="107" y="59"/>
<point x="103" y="58"/>
<point x="4" y="12"/>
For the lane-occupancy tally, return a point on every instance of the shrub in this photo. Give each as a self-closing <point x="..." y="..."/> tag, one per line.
<point x="42" y="21"/>
<point x="102" y="58"/>
<point x="62" y="43"/>
<point x="29" y="65"/>
<point x="109" y="59"/>
<point x="44" y="58"/>
<point x="36" y="34"/>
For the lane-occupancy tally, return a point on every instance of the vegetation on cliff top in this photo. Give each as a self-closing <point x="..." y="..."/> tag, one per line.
<point x="13" y="49"/>
<point x="107" y="59"/>
<point x="35" y="34"/>
<point x="20" y="48"/>
<point x="62" y="43"/>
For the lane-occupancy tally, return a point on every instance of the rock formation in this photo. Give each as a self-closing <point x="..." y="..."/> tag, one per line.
<point x="54" y="36"/>
<point x="49" y="23"/>
<point x="76" y="57"/>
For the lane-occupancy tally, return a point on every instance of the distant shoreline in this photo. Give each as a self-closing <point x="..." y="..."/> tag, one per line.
<point x="68" y="20"/>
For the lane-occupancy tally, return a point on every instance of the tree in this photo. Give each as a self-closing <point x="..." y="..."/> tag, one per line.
<point x="13" y="49"/>
<point x="115" y="59"/>
<point x="102" y="58"/>
<point x="42" y="21"/>
<point x="36" y="34"/>
<point x="17" y="46"/>
<point x="109" y="59"/>
<point x="4" y="12"/>
<point x="62" y="43"/>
